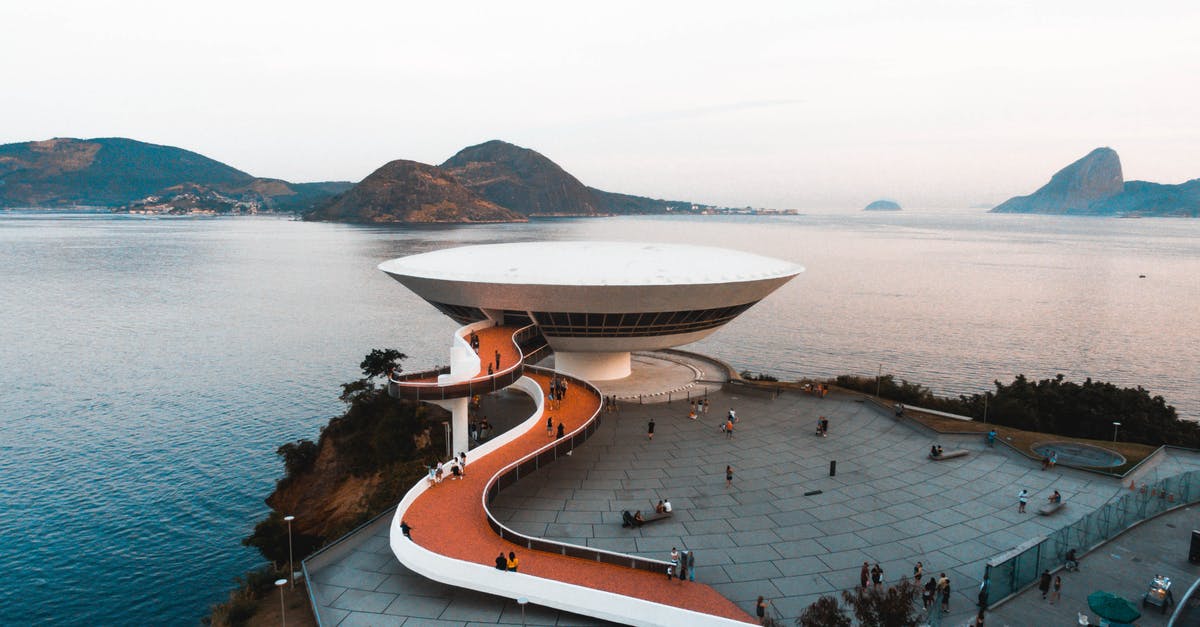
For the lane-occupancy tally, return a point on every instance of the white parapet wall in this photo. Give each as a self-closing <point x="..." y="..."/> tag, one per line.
<point x="593" y="366"/>
<point x="539" y="591"/>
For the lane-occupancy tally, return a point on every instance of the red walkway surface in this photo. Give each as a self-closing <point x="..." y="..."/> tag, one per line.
<point x="449" y="519"/>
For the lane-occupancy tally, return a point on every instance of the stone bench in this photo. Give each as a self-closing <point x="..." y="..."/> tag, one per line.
<point x="948" y="455"/>
<point x="629" y="522"/>
<point x="1050" y="508"/>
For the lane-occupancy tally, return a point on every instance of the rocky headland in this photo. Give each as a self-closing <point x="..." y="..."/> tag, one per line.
<point x="1095" y="185"/>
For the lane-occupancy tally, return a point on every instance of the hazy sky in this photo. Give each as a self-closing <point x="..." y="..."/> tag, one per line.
<point x="799" y="105"/>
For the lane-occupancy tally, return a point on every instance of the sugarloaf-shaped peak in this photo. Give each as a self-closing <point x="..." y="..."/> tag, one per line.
<point x="408" y="191"/>
<point x="1095" y="177"/>
<point x="521" y="179"/>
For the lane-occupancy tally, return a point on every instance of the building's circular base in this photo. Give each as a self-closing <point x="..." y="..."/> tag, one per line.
<point x="593" y="366"/>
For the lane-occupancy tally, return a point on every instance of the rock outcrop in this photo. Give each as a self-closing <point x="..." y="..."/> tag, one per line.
<point x="883" y="205"/>
<point x="408" y="191"/>
<point x="1073" y="189"/>
<point x="1094" y="185"/>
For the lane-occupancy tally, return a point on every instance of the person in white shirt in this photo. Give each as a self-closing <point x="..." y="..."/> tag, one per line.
<point x="666" y="505"/>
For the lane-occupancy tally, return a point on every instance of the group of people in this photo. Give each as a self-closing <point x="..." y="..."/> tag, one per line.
<point x="683" y="565"/>
<point x="935" y="590"/>
<point x="480" y="430"/>
<point x="1049" y="461"/>
<point x="557" y="392"/>
<point x="457" y="467"/>
<point x="697" y="408"/>
<point x="562" y="429"/>
<point x="663" y="507"/>
<point x="1023" y="499"/>
<point x="935" y="450"/>
<point x="610" y="404"/>
<point x="508" y="563"/>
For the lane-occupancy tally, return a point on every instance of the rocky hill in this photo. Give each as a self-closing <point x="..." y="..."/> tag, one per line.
<point x="1094" y="185"/>
<point x="883" y="205"/>
<point x="407" y="191"/>
<point x="522" y="180"/>
<point x="117" y="172"/>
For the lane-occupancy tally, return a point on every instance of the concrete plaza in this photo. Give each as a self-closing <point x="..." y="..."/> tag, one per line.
<point x="887" y="503"/>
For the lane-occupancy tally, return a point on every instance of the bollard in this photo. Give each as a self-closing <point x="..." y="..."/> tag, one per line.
<point x="832" y="467"/>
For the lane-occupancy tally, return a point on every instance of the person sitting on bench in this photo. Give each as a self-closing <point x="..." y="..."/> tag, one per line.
<point x="1056" y="497"/>
<point x="899" y="409"/>
<point x="935" y="451"/>
<point x="637" y="519"/>
<point x="626" y="519"/>
<point x="658" y="509"/>
<point x="666" y="506"/>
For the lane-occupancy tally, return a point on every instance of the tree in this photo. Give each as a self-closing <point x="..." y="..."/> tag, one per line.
<point x="895" y="607"/>
<point x="381" y="361"/>
<point x="824" y="612"/>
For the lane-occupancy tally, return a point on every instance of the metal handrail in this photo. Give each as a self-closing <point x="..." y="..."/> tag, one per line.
<point x="534" y="460"/>
<point x="403" y="386"/>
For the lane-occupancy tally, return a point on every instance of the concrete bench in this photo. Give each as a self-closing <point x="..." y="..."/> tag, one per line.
<point x="1050" y="508"/>
<point x="948" y="455"/>
<point x="629" y="522"/>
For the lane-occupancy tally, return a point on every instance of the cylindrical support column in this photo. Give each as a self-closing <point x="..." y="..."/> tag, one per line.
<point x="458" y="409"/>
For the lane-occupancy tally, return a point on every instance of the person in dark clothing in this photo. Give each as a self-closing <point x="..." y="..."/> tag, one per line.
<point x="562" y="429"/>
<point x="501" y="561"/>
<point x="650" y="429"/>
<point x="1044" y="583"/>
<point x="406" y="529"/>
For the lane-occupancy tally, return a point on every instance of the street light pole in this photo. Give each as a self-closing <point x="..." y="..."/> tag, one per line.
<point x="291" y="567"/>
<point x="280" y="583"/>
<point x="878" y="380"/>
<point x="1116" y="425"/>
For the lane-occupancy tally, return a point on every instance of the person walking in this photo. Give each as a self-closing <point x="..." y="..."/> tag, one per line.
<point x="918" y="572"/>
<point x="1056" y="590"/>
<point x="877" y="576"/>
<point x="497" y="359"/>
<point x="650" y="430"/>
<point x="928" y="592"/>
<point x="728" y="429"/>
<point x="944" y="585"/>
<point x="562" y="429"/>
<point x="760" y="609"/>
<point x="674" y="567"/>
<point x="1044" y="583"/>
<point x="691" y="565"/>
<point x="864" y="575"/>
<point x="1022" y="499"/>
<point x="728" y="476"/>
<point x="549" y="426"/>
<point x="406" y="529"/>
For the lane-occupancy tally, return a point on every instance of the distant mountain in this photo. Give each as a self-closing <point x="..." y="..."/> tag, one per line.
<point x="883" y="205"/>
<point x="118" y="172"/>
<point x="521" y="179"/>
<point x="528" y="182"/>
<point x="407" y="191"/>
<point x="1094" y="185"/>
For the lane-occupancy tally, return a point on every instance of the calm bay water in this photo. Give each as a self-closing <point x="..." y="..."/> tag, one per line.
<point x="150" y="367"/>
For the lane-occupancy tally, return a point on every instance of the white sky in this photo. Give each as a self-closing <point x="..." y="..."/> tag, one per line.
<point x="788" y="104"/>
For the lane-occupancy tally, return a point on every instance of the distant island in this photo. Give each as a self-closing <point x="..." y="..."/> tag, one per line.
<point x="883" y="205"/>
<point x="491" y="182"/>
<point x="1095" y="185"/>
<point x="133" y="176"/>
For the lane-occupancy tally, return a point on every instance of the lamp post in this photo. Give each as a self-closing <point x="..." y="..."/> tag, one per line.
<point x="280" y="583"/>
<point x="878" y="380"/>
<point x="1116" y="425"/>
<point x="522" y="601"/>
<point x="291" y="568"/>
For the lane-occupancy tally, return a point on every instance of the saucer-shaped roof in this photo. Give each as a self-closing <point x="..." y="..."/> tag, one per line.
<point x="591" y="264"/>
